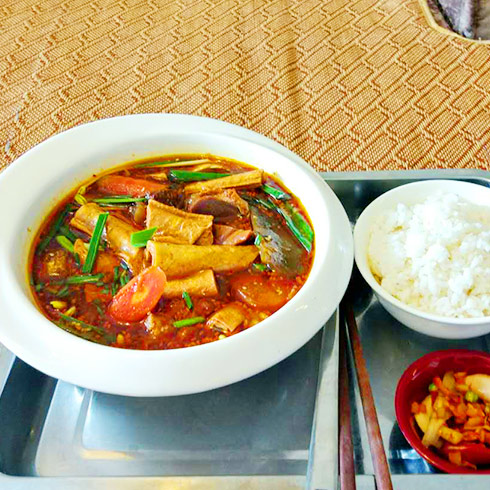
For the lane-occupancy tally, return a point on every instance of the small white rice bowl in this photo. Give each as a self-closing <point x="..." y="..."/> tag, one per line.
<point x="424" y="248"/>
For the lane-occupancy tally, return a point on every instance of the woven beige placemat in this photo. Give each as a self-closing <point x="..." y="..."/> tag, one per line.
<point x="347" y="84"/>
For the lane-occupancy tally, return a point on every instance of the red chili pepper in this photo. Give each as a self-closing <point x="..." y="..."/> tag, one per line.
<point x="475" y="453"/>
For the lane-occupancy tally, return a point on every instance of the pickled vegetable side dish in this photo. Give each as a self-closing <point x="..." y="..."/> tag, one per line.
<point x="455" y="418"/>
<point x="171" y="252"/>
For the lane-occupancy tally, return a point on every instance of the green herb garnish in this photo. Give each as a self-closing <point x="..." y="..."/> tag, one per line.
<point x="64" y="230"/>
<point x="139" y="238"/>
<point x="64" y="291"/>
<point x="275" y="192"/>
<point x="167" y="162"/>
<point x="119" y="200"/>
<point x="260" y="267"/>
<point x="94" y="243"/>
<point x="54" y="229"/>
<point x="83" y="324"/>
<point x="187" y="322"/>
<point x="94" y="278"/>
<point x="188" y="300"/>
<point x="298" y="225"/>
<point x="258" y="239"/>
<point x="65" y="243"/>
<point x="189" y="176"/>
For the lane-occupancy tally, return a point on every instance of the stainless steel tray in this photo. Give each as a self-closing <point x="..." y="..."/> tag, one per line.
<point x="276" y="430"/>
<point x="389" y="347"/>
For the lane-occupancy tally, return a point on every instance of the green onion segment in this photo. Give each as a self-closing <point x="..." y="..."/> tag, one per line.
<point x="94" y="243"/>
<point x="188" y="300"/>
<point x="139" y="238"/>
<point x="65" y="243"/>
<point x="189" y="176"/>
<point x="187" y="322"/>
<point x="119" y="200"/>
<point x="275" y="192"/>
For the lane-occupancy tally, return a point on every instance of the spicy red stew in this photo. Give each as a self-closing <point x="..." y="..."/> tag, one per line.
<point x="171" y="253"/>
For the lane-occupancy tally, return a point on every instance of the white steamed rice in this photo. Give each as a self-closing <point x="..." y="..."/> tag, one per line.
<point x="435" y="256"/>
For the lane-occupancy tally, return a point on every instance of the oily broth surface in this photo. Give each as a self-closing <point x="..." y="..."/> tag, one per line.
<point x="87" y="303"/>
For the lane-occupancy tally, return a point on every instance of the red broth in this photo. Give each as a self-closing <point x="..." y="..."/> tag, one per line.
<point x="171" y="252"/>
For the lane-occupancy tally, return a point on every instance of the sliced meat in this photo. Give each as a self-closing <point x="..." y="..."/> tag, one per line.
<point x="182" y="260"/>
<point x="228" y="318"/>
<point x="201" y="284"/>
<point x="228" y="235"/>
<point x="222" y="204"/>
<point x="244" y="179"/>
<point x="180" y="225"/>
<point x="117" y="233"/>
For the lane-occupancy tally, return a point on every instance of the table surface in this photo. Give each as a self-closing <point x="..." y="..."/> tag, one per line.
<point x="346" y="84"/>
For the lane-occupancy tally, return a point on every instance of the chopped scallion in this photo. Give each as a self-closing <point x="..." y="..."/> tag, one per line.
<point x="260" y="267"/>
<point x="83" y="324"/>
<point x="189" y="176"/>
<point x="119" y="200"/>
<point x="298" y="225"/>
<point x="171" y="162"/>
<point x="275" y="192"/>
<point x="139" y="238"/>
<point x="77" y="259"/>
<point x="187" y="322"/>
<point x="258" y="239"/>
<point x="64" y="230"/>
<point x="64" y="291"/>
<point x="65" y="243"/>
<point x="54" y="229"/>
<point x="188" y="300"/>
<point x="94" y="243"/>
<point x="80" y="279"/>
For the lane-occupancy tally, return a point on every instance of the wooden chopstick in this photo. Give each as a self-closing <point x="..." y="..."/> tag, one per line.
<point x="380" y="463"/>
<point x="346" y="452"/>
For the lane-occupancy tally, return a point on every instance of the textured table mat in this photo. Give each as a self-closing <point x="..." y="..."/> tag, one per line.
<point x="347" y="84"/>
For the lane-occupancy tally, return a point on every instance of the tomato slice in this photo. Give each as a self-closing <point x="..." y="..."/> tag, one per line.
<point x="128" y="186"/>
<point x="261" y="291"/>
<point x="139" y="296"/>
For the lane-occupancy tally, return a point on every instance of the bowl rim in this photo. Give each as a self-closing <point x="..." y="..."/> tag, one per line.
<point x="334" y="213"/>
<point x="360" y="255"/>
<point x="419" y="365"/>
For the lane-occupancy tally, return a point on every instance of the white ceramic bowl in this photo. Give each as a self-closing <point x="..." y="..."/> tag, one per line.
<point x="32" y="185"/>
<point x="429" y="324"/>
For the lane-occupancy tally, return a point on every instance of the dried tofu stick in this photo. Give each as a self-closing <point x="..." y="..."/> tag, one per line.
<point x="117" y="233"/>
<point x="228" y="318"/>
<point x="181" y="225"/>
<point x="244" y="179"/>
<point x="201" y="284"/>
<point x="182" y="260"/>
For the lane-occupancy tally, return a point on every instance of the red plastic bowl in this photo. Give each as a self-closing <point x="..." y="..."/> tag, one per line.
<point x="413" y="385"/>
